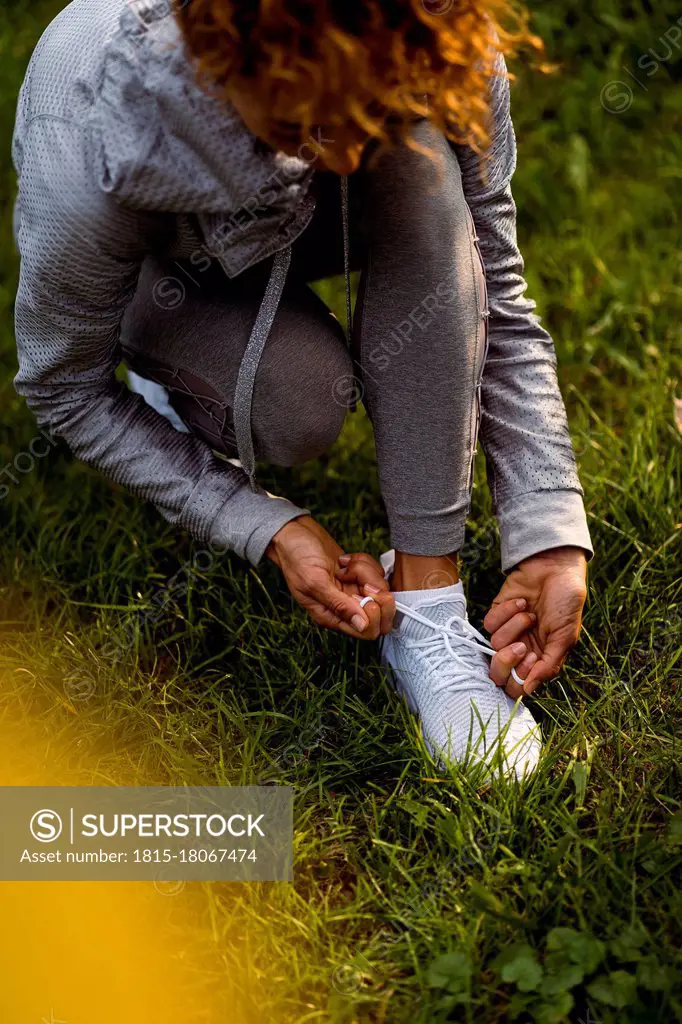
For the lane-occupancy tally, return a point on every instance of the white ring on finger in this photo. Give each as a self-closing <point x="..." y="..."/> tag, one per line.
<point x="517" y="678"/>
<point x="365" y="600"/>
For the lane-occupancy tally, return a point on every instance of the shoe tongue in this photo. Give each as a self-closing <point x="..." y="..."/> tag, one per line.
<point x="437" y="605"/>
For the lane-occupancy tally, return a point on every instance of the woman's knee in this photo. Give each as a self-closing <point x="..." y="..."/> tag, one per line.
<point x="414" y="198"/>
<point x="422" y="242"/>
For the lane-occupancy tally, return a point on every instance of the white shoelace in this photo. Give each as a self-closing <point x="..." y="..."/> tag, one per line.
<point x="462" y="671"/>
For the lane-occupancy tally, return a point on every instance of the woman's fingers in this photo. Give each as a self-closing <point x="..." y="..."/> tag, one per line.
<point x="548" y="664"/>
<point x="373" y="610"/>
<point x="513" y="629"/>
<point x="514" y="689"/>
<point x="523" y="669"/>
<point x="322" y="616"/>
<point x="501" y="612"/>
<point x="502" y="664"/>
<point x="362" y="569"/>
<point x="342" y="611"/>
<point x="386" y="604"/>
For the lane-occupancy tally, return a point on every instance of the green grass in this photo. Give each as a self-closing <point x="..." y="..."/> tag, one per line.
<point x="127" y="656"/>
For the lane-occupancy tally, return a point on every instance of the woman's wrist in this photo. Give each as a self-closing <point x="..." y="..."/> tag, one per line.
<point x="567" y="555"/>
<point x="282" y="539"/>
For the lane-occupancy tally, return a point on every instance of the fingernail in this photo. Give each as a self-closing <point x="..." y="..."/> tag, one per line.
<point x="531" y="659"/>
<point x="518" y="648"/>
<point x="344" y="559"/>
<point x="359" y="622"/>
<point x="371" y="590"/>
<point x="521" y="603"/>
<point x="532" y="616"/>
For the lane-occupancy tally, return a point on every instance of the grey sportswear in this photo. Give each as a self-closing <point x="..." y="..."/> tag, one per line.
<point x="122" y="157"/>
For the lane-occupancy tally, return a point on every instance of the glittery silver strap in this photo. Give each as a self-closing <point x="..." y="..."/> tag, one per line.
<point x="246" y="379"/>
<point x="346" y="269"/>
<point x="346" y="255"/>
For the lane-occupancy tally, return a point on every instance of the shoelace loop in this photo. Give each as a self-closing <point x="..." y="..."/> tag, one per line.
<point x="463" y="672"/>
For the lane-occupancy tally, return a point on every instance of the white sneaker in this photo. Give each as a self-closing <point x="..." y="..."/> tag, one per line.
<point x="440" y="664"/>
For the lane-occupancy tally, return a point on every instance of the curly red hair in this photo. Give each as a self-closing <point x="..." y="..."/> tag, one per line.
<point x="367" y="63"/>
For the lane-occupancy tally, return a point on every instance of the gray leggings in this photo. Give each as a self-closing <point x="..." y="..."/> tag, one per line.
<point x="419" y="341"/>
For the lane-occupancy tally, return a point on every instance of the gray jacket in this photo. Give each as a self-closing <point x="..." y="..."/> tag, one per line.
<point x="119" y="153"/>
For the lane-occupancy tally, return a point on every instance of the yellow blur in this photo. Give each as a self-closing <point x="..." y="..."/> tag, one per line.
<point x="107" y="953"/>
<point x="91" y="953"/>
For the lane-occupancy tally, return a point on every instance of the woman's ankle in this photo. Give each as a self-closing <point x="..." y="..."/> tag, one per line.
<point x="424" y="572"/>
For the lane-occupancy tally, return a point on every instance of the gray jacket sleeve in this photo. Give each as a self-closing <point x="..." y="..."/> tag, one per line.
<point x="80" y="262"/>
<point x="524" y="432"/>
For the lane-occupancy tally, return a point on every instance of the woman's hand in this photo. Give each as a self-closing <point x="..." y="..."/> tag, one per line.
<point x="540" y="604"/>
<point x="329" y="590"/>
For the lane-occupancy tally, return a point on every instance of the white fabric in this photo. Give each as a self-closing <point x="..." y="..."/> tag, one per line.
<point x="156" y="395"/>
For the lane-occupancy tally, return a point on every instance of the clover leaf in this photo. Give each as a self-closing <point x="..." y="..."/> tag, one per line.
<point x="617" y="989"/>
<point x="519" y="964"/>
<point x="452" y="972"/>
